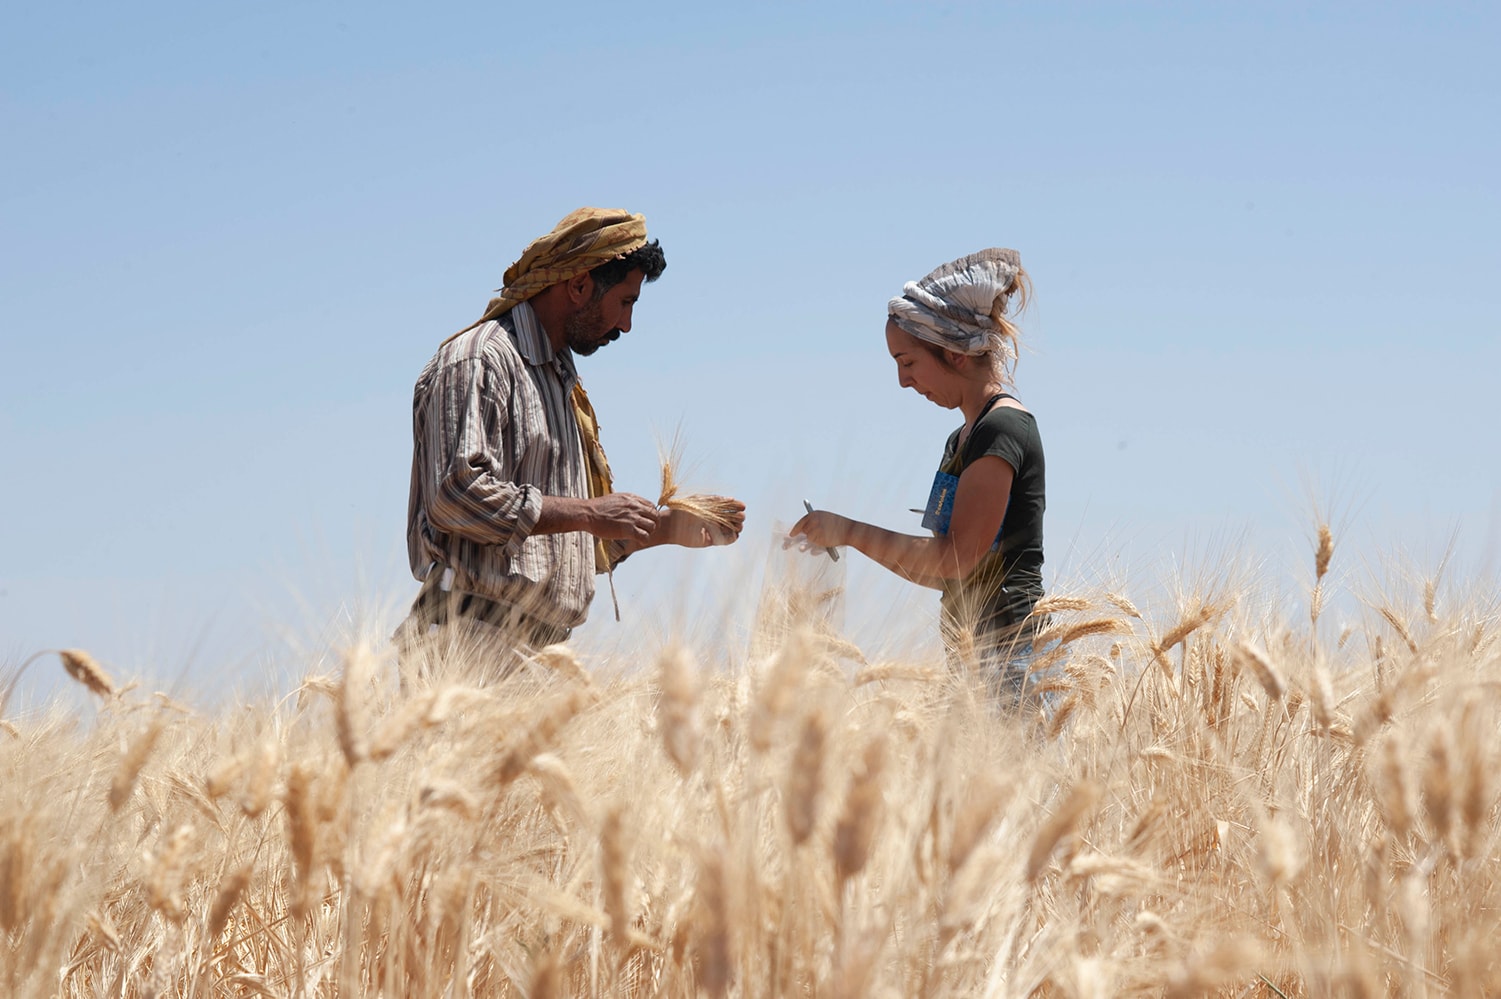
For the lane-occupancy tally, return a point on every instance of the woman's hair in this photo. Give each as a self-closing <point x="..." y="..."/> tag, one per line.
<point x="1002" y="311"/>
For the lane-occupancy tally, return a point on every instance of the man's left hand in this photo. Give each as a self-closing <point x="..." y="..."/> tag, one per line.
<point x="679" y="527"/>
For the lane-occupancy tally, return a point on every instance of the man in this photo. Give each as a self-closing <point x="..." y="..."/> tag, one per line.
<point x="512" y="511"/>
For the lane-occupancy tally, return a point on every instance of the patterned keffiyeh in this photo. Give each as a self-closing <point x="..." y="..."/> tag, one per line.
<point x="959" y="306"/>
<point x="582" y="241"/>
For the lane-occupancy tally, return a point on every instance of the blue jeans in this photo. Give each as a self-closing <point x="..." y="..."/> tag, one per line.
<point x="1009" y="680"/>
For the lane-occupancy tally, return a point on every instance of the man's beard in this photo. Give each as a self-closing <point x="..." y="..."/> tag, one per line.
<point x="584" y="330"/>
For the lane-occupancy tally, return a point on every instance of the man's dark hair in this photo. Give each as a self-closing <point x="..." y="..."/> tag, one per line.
<point x="648" y="259"/>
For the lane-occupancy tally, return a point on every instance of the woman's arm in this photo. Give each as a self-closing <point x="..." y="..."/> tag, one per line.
<point x="979" y="510"/>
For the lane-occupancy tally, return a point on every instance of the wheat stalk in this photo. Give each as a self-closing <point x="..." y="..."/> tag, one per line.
<point x="1187" y="625"/>
<point x="533" y="739"/>
<point x="1400" y="627"/>
<point x="719" y="512"/>
<point x="862" y="810"/>
<point x="302" y="831"/>
<point x="163" y="888"/>
<point x="1323" y="553"/>
<point x="716" y="958"/>
<point x="1079" y="800"/>
<point x="565" y="662"/>
<point x="1124" y="603"/>
<point x="614" y="859"/>
<point x="1395" y="796"/>
<point x="677" y="710"/>
<point x="131" y="763"/>
<point x="1053" y="604"/>
<point x="231" y="888"/>
<point x="86" y="670"/>
<point x="352" y="716"/>
<point x="805" y="776"/>
<point x="1064" y="634"/>
<point x="978" y="811"/>
<point x="1263" y="669"/>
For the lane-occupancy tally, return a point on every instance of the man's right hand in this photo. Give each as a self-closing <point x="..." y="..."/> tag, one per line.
<point x="623" y="517"/>
<point x="613" y="517"/>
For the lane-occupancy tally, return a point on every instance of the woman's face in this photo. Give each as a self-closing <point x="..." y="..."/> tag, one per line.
<point x="918" y="369"/>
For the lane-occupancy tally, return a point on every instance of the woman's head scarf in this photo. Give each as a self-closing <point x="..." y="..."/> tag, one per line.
<point x="960" y="305"/>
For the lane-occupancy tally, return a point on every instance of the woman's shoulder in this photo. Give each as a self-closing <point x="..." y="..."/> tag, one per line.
<point x="1009" y="412"/>
<point x="1010" y="431"/>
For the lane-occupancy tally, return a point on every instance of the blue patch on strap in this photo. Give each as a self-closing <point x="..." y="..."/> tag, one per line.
<point x="940" y="503"/>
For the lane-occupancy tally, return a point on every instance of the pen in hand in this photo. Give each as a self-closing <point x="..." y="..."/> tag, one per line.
<point x="832" y="553"/>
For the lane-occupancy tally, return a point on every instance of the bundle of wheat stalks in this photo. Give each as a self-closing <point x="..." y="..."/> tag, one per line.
<point x="1214" y="803"/>
<point x="716" y="511"/>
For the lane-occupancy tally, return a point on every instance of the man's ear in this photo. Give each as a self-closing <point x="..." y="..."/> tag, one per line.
<point x="580" y="289"/>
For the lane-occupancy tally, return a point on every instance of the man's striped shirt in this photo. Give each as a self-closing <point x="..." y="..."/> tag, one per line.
<point x="493" y="431"/>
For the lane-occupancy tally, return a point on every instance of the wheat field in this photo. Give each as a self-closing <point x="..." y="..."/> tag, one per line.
<point x="1219" y="797"/>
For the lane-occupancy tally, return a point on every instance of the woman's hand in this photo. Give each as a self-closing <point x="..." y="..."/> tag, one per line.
<point x="823" y="529"/>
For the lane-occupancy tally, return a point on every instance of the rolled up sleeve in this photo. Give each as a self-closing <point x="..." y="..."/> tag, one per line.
<point x="474" y="492"/>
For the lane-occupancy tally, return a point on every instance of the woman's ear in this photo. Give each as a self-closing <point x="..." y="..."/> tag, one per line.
<point x="957" y="361"/>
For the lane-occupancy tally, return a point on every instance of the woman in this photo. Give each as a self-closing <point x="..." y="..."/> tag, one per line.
<point x="954" y="344"/>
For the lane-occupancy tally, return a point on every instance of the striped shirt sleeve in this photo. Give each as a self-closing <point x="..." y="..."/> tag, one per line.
<point x="473" y="495"/>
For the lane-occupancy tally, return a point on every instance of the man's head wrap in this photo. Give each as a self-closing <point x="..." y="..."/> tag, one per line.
<point x="960" y="305"/>
<point x="582" y="241"/>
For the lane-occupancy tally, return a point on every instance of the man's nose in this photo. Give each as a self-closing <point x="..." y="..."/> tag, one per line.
<point x="624" y="325"/>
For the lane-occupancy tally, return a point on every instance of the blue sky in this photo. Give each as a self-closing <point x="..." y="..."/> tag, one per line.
<point x="1263" y="240"/>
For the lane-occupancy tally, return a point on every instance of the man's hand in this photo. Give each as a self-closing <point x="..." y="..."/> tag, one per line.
<point x="680" y="527"/>
<point x="623" y="517"/>
<point x="640" y="523"/>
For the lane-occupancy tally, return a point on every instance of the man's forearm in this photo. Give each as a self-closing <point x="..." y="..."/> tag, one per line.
<point x="612" y="517"/>
<point x="562" y="514"/>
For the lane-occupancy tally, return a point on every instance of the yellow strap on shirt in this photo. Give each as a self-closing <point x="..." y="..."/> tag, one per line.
<point x="596" y="465"/>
